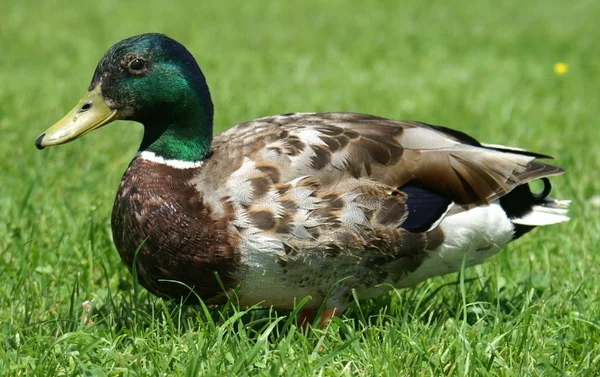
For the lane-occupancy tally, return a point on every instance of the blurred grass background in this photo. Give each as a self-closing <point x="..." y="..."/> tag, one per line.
<point x="484" y="67"/>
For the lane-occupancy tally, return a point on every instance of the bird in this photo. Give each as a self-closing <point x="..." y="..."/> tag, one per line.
<point x="299" y="206"/>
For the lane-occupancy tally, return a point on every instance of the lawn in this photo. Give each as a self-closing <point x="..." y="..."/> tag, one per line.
<point x="69" y="307"/>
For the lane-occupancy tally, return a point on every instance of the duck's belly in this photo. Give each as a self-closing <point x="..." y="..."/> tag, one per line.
<point x="284" y="285"/>
<point x="474" y="236"/>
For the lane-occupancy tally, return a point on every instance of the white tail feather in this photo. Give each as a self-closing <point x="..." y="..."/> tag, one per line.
<point x="498" y="146"/>
<point x="551" y="212"/>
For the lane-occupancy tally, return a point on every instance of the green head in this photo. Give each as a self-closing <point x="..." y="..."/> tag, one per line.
<point x="151" y="79"/>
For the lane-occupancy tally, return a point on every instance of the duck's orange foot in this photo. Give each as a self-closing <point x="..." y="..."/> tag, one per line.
<point x="306" y="317"/>
<point x="328" y="315"/>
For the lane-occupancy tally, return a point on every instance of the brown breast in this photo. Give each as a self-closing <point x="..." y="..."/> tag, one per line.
<point x="160" y="223"/>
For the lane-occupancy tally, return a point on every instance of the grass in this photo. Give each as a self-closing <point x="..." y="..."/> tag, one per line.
<point x="483" y="67"/>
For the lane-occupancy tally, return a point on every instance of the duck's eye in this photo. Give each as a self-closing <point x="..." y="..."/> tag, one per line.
<point x="137" y="65"/>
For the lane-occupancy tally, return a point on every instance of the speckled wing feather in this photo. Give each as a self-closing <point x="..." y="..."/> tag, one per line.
<point x="334" y="181"/>
<point x="332" y="147"/>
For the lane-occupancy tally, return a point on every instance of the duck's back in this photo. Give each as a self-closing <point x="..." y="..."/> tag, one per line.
<point x="334" y="148"/>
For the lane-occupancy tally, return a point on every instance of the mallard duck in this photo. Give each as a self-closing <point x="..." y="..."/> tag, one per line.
<point x="295" y="205"/>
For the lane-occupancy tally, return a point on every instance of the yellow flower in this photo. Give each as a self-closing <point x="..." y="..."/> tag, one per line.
<point x="561" y="68"/>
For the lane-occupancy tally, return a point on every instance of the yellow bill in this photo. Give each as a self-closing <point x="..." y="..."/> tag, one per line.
<point x="90" y="113"/>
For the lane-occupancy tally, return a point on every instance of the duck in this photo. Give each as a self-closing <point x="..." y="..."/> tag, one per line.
<point x="297" y="207"/>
